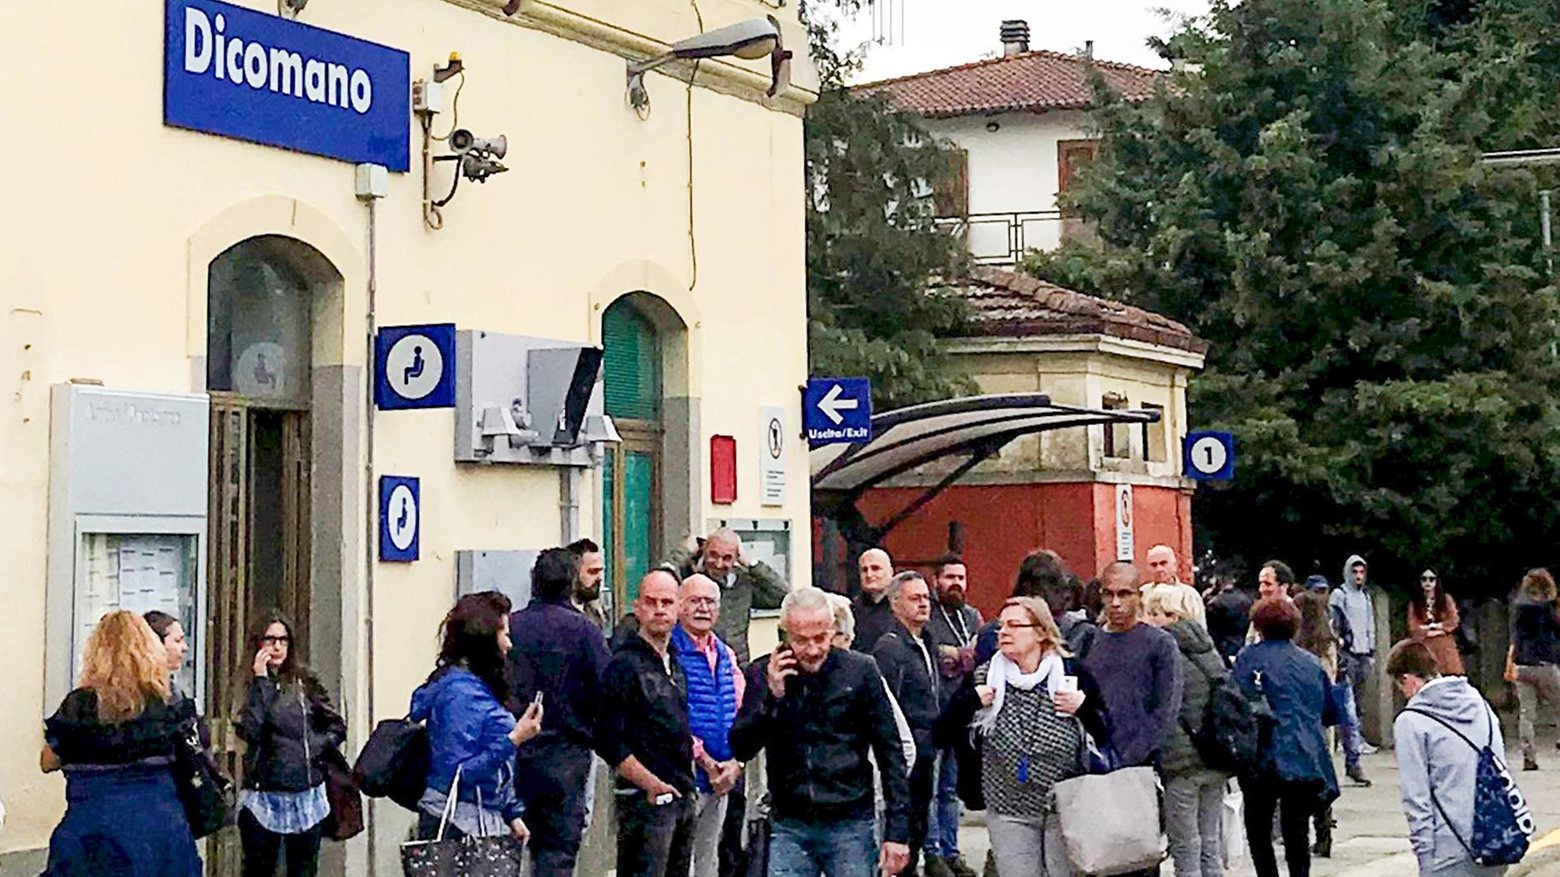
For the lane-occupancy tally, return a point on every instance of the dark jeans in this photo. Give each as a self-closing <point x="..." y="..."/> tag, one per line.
<point x="732" y="833"/>
<point x="923" y="785"/>
<point x="262" y="849"/>
<point x="1295" y="804"/>
<point x="550" y="780"/>
<point x="654" y="841"/>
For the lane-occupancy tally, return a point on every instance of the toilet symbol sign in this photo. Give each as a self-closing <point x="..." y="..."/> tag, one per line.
<point x="400" y="518"/>
<point x="414" y="367"/>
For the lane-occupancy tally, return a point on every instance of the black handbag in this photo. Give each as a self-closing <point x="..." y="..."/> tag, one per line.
<point x="394" y="762"/>
<point x="206" y="795"/>
<point x="467" y="856"/>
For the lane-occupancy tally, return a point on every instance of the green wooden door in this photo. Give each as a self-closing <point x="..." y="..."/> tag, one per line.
<point x="631" y="503"/>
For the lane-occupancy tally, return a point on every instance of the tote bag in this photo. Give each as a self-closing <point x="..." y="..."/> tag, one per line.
<point x="496" y="856"/>
<point x="1110" y="821"/>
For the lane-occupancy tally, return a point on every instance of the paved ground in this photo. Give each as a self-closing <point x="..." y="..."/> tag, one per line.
<point x="1371" y="837"/>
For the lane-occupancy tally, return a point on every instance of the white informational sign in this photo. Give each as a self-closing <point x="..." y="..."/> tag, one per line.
<point x="772" y="443"/>
<point x="1124" y="545"/>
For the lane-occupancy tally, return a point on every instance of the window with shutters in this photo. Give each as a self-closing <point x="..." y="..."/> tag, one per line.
<point x="632" y="364"/>
<point x="951" y="194"/>
<point x="1071" y="156"/>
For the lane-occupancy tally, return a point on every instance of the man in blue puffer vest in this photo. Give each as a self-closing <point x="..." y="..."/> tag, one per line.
<point x="715" y="689"/>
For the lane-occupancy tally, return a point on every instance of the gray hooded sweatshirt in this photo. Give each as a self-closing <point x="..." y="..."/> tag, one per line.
<point x="1433" y="759"/>
<point x="1353" y="606"/>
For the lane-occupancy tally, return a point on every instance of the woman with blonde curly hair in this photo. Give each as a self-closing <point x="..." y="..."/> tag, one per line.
<point x="114" y="736"/>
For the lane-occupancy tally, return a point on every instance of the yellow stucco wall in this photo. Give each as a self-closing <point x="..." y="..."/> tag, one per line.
<point x="1082" y="370"/>
<point x="114" y="218"/>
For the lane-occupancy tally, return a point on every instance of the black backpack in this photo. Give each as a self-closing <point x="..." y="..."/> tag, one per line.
<point x="1236" y="729"/>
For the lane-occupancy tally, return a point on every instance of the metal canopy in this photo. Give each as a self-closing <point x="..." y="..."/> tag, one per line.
<point x="978" y="426"/>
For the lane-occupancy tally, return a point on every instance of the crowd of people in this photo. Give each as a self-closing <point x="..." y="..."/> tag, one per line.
<point x="879" y="718"/>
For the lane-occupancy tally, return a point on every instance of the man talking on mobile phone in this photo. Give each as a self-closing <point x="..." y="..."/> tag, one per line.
<point x="821" y="710"/>
<point x="645" y="736"/>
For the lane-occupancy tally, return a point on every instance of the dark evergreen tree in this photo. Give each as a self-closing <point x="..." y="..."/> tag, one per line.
<point x="872" y="244"/>
<point x="1307" y="194"/>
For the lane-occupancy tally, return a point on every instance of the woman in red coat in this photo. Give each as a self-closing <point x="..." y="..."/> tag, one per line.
<point x="1432" y="616"/>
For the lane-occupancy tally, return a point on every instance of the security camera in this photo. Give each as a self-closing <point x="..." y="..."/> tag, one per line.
<point x="463" y="141"/>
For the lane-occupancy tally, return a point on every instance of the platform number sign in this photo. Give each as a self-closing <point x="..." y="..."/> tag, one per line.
<point x="1210" y="456"/>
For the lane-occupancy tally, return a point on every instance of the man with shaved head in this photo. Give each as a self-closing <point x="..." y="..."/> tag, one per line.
<point x="874" y="615"/>
<point x="745" y="584"/>
<point x="715" y="690"/>
<point x="1164" y="571"/>
<point x="1138" y="669"/>
<point x="644" y="736"/>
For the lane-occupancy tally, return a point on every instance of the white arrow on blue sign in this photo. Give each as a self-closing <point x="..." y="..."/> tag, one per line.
<point x="836" y="410"/>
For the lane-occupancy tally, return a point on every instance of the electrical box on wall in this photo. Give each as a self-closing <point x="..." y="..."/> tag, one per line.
<point x="505" y="571"/>
<point x="768" y="540"/>
<point x="528" y="400"/>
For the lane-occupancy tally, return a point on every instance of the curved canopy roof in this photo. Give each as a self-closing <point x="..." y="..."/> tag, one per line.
<point x="978" y="426"/>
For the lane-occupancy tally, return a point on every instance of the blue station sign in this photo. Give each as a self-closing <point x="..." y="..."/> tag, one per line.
<point x="239" y="73"/>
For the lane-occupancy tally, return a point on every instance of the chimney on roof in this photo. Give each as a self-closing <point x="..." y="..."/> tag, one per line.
<point x="1015" y="36"/>
<point x="1088" y="49"/>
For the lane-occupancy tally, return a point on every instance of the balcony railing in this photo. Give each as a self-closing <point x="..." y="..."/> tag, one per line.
<point x="1004" y="238"/>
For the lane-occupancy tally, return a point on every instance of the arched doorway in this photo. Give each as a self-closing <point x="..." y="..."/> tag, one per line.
<point x="263" y="295"/>
<point x="645" y="478"/>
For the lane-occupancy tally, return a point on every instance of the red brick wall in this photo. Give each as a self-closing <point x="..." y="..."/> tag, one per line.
<point x="1003" y="523"/>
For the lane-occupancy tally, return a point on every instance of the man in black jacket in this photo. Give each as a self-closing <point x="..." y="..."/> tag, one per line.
<point x="818" y="714"/>
<point x="873" y="615"/>
<point x="904" y="656"/>
<point x="644" y="735"/>
<point x="558" y="654"/>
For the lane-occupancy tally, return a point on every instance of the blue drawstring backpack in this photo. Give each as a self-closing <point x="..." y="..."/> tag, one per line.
<point x="1502" y="823"/>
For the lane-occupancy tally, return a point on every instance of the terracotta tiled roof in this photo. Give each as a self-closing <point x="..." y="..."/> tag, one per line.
<point x="1027" y="81"/>
<point x="1005" y="304"/>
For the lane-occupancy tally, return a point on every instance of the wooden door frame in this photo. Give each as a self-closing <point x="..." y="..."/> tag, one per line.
<point x="229" y="585"/>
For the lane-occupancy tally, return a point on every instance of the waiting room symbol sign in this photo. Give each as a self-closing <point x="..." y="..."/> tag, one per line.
<point x="415" y="367"/>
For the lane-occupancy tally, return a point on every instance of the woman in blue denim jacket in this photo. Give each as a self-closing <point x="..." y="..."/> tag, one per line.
<point x="1300" y="780"/>
<point x="470" y="731"/>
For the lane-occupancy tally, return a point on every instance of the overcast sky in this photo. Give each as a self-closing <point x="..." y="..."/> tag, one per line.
<point x="928" y="34"/>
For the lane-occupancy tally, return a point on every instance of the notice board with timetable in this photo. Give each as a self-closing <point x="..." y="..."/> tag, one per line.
<point x="140" y="572"/>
